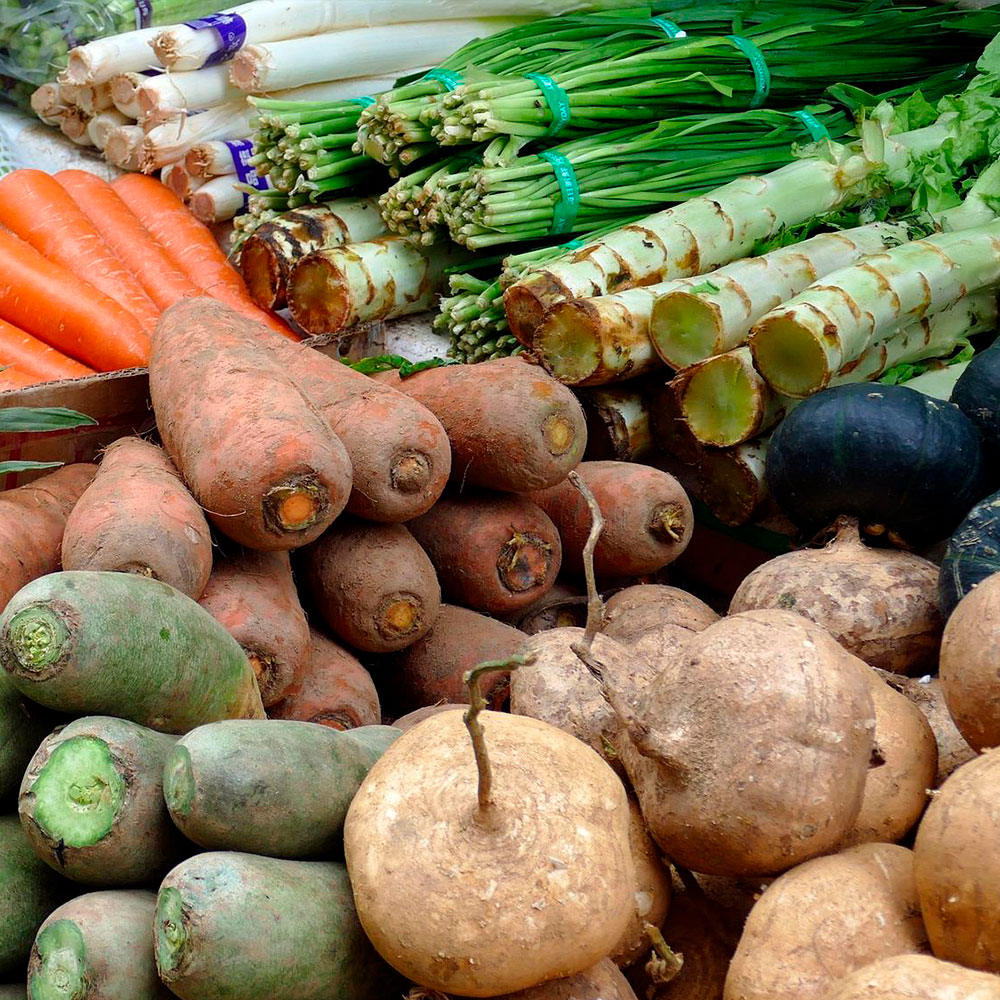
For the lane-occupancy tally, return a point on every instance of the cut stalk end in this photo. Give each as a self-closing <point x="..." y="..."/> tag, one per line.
<point x="317" y="296"/>
<point x="178" y="781"/>
<point x="58" y="967"/>
<point x="410" y="472"/>
<point x="171" y="934"/>
<point x="262" y="274"/>
<point x="524" y="562"/>
<point x="35" y="641"/>
<point x="399" y="616"/>
<point x="526" y="306"/>
<point x="722" y="400"/>
<point x="77" y="796"/>
<point x="684" y="329"/>
<point x="568" y="342"/>
<point x="790" y="357"/>
<point x="295" y="506"/>
<point x="667" y="523"/>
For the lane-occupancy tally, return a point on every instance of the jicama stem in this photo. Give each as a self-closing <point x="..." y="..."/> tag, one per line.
<point x="169" y="142"/>
<point x="331" y="290"/>
<point x="208" y="88"/>
<point x="99" y="127"/>
<point x="98" y="61"/>
<point x="940" y="382"/>
<point x="695" y="318"/>
<point x="217" y="200"/>
<point x="707" y="232"/>
<point x="355" y="52"/>
<point x="618" y="424"/>
<point x="270" y="253"/>
<point x="125" y="93"/>
<point x="800" y="345"/>
<point x="180" y="47"/>
<point x="124" y="146"/>
<point x="733" y="485"/>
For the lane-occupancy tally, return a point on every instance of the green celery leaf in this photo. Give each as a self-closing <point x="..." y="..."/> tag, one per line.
<point x="6" y="467"/>
<point x="705" y="287"/>
<point x="25" y="419"/>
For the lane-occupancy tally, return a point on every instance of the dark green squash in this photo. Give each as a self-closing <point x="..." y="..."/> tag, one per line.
<point x="973" y="554"/>
<point x="898" y="461"/>
<point x="977" y="395"/>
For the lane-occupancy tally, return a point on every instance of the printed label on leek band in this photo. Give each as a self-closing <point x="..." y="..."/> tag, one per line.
<point x="143" y="14"/>
<point x="232" y="32"/>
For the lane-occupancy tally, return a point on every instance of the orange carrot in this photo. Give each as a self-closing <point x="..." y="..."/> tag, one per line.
<point x="162" y="279"/>
<point x="191" y="246"/>
<point x="33" y="357"/>
<point x="37" y="208"/>
<point x="51" y="303"/>
<point x="11" y="378"/>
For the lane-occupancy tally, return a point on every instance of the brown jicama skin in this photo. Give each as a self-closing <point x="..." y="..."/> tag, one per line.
<point x="652" y="890"/>
<point x="253" y="595"/>
<point x="432" y="669"/>
<point x="969" y="665"/>
<point x="926" y="694"/>
<point x="273" y="249"/>
<point x="525" y="857"/>
<point x="563" y="606"/>
<point x="492" y="552"/>
<point x="277" y="488"/>
<point x="654" y="620"/>
<point x="373" y="585"/>
<point x="915" y="977"/>
<point x="138" y="517"/>
<point x="648" y="518"/>
<point x="332" y="688"/>
<point x="823" y="920"/>
<point x="896" y="791"/>
<point x="399" y="451"/>
<point x="763" y="772"/>
<point x="32" y="521"/>
<point x="957" y="870"/>
<point x="511" y="426"/>
<point x="602" y="981"/>
<point x="411" y="719"/>
<point x="881" y="604"/>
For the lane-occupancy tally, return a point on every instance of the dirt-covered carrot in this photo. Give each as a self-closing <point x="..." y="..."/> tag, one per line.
<point x="138" y="517"/>
<point x="97" y="947"/>
<point x="163" y="281"/>
<point x="275" y="787"/>
<point x="115" y="643"/>
<point x="23" y="725"/>
<point x="511" y="426"/>
<point x="648" y="518"/>
<point x="31" y="891"/>
<point x="51" y="303"/>
<point x="191" y="246"/>
<point x="399" y="451"/>
<point x="275" y="488"/>
<point x="231" y="926"/>
<point x="37" y="208"/>
<point x="332" y="689"/>
<point x="36" y="358"/>
<point x="493" y="552"/>
<point x="373" y="584"/>
<point x="273" y="249"/>
<point x="433" y="668"/>
<point x="92" y="806"/>
<point x="32" y="521"/>
<point x="253" y="595"/>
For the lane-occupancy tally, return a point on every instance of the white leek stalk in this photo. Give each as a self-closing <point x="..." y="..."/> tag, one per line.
<point x="99" y="127"/>
<point x="207" y="88"/>
<point x="68" y="92"/>
<point x="100" y="60"/>
<point x="340" y="55"/>
<point x="209" y="159"/>
<point x="339" y="90"/>
<point x="125" y="93"/>
<point x="47" y="104"/>
<point x="216" y="200"/>
<point x="73" y="125"/>
<point x="175" y="177"/>
<point x="172" y="141"/>
<point x="124" y="146"/>
<point x="183" y="48"/>
<point x="91" y="100"/>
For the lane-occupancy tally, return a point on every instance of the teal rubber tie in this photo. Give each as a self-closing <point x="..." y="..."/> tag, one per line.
<point x="365" y="102"/>
<point x="448" y="77"/>
<point x="672" y="30"/>
<point x="761" y="74"/>
<point x="816" y="128"/>
<point x="556" y="98"/>
<point x="565" y="211"/>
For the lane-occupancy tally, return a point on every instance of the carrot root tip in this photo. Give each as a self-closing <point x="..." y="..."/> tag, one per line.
<point x="667" y="522"/>
<point x="399" y="616"/>
<point x="524" y="562"/>
<point x="296" y="505"/>
<point x="410" y="473"/>
<point x="560" y="434"/>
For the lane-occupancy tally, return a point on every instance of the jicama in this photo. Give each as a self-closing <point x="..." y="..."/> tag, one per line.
<point x="799" y="346"/>
<point x="91" y="803"/>
<point x="271" y="251"/>
<point x="217" y="199"/>
<point x="732" y="483"/>
<point x="332" y="289"/>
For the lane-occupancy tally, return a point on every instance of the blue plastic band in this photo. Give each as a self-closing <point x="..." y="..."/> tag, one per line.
<point x="816" y="128"/>
<point x="761" y="74"/>
<point x="672" y="30"/>
<point x="365" y="102"/>
<point x="232" y="32"/>
<point x="448" y="77"/>
<point x="143" y="14"/>
<point x="556" y="98"/>
<point x="565" y="210"/>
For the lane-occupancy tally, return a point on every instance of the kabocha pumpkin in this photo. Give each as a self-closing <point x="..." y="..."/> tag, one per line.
<point x="898" y="461"/>
<point x="977" y="395"/>
<point x="973" y="553"/>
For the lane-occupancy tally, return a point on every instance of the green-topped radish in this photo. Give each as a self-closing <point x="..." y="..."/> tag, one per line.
<point x="119" y="644"/>
<point x="97" y="947"/>
<point x="277" y="788"/>
<point x="92" y="806"/>
<point x="519" y="837"/>
<point x="23" y="725"/>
